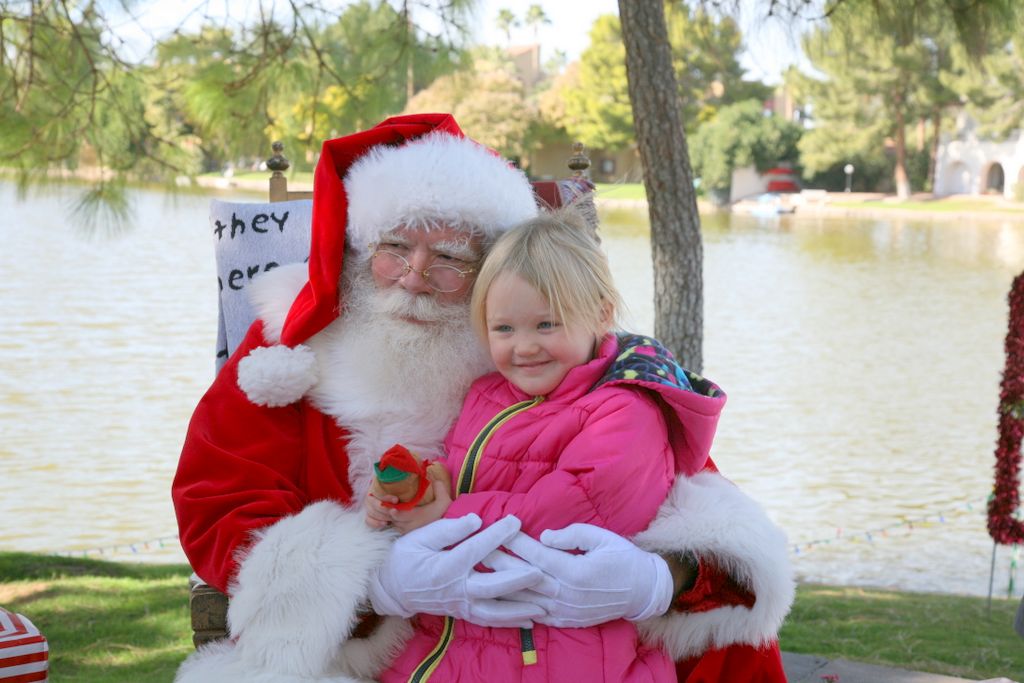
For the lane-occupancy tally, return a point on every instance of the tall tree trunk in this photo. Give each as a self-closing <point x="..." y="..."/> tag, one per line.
<point x="676" y="248"/>
<point x="900" y="173"/>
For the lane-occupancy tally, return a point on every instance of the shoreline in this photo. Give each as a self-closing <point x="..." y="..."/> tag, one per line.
<point x="822" y="204"/>
<point x="805" y="204"/>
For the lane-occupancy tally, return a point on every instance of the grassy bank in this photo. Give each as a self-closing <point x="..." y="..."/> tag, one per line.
<point x="115" y="622"/>
<point x="948" y="634"/>
<point x="105" y="621"/>
<point x="629" y="191"/>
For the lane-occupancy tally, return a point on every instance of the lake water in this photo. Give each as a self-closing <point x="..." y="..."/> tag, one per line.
<point x="862" y="360"/>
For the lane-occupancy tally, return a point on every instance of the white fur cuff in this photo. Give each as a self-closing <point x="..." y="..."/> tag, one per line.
<point x="298" y="589"/>
<point x="276" y="376"/>
<point x="708" y="515"/>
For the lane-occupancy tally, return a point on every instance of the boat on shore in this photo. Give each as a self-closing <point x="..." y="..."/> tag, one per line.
<point x="766" y="204"/>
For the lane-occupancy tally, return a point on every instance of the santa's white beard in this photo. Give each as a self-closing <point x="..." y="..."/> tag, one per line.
<point x="388" y="380"/>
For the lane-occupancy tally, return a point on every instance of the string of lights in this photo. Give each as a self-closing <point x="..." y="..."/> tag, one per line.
<point x="841" y="535"/>
<point x="907" y="525"/>
<point x="136" y="548"/>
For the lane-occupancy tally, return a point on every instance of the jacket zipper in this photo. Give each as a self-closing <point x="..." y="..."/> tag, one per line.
<point x="467" y="477"/>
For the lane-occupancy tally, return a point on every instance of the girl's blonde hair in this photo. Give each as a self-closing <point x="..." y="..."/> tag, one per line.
<point x="557" y="253"/>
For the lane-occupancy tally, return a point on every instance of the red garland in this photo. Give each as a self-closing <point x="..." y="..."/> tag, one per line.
<point x="1003" y="527"/>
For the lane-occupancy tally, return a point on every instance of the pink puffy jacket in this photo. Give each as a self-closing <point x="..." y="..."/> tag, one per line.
<point x="605" y="456"/>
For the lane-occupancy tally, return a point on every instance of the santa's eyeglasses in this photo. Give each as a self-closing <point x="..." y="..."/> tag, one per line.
<point x="440" y="277"/>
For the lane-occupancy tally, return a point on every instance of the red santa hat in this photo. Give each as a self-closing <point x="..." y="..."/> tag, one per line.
<point x="418" y="171"/>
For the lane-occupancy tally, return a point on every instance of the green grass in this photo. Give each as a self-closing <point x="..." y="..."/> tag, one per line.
<point x="621" y="191"/>
<point x="118" y="622"/>
<point x="947" y="634"/>
<point x="104" y="621"/>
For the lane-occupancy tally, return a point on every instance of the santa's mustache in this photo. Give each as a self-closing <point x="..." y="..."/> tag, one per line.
<point x="398" y="303"/>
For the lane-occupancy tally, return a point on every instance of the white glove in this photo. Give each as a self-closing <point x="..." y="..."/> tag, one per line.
<point x="419" y="576"/>
<point x="614" y="579"/>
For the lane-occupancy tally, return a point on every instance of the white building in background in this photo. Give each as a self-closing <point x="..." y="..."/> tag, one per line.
<point x="969" y="165"/>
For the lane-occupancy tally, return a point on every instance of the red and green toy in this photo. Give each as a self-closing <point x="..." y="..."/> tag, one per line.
<point x="405" y="476"/>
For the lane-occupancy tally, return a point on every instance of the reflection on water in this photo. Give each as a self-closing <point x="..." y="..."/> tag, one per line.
<point x="861" y="359"/>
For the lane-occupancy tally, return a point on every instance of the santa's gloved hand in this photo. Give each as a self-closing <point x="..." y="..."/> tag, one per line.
<point x="613" y="579"/>
<point x="420" y="576"/>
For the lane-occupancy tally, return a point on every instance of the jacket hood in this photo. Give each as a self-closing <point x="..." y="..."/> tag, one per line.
<point x="692" y="404"/>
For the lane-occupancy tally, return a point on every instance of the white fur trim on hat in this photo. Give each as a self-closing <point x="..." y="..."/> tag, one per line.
<point x="433" y="180"/>
<point x="708" y="515"/>
<point x="276" y="376"/>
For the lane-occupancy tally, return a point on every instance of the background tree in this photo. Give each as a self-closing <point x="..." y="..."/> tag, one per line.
<point x="549" y="126"/>
<point x="72" y="92"/>
<point x="597" y="107"/>
<point x="972" y="22"/>
<point x="488" y="100"/>
<point x="369" y="79"/>
<point x="705" y="51"/>
<point x="66" y="95"/>
<point x="506" y="21"/>
<point x="705" y="57"/>
<point x="556" y="63"/>
<point x="872" y="88"/>
<point x="241" y="89"/>
<point x="741" y="135"/>
<point x="993" y="85"/>
<point x="890" y="61"/>
<point x="939" y="98"/>
<point x="535" y="18"/>
<point x="215" y="88"/>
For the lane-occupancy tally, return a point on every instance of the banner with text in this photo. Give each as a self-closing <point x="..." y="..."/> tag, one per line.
<point x="251" y="239"/>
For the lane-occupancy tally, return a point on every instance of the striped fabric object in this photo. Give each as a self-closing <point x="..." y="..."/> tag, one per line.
<point x="24" y="654"/>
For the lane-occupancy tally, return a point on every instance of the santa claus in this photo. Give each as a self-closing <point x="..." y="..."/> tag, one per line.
<point x="345" y="362"/>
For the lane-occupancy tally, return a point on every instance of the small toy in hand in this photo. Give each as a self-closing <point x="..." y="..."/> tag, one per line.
<point x="403" y="475"/>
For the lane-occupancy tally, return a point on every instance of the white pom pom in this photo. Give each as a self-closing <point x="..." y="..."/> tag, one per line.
<point x="277" y="375"/>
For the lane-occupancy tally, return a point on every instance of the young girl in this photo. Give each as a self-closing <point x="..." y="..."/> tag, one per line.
<point x="577" y="425"/>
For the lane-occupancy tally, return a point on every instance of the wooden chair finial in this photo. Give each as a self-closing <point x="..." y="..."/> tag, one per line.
<point x="579" y="162"/>
<point x="278" y="163"/>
